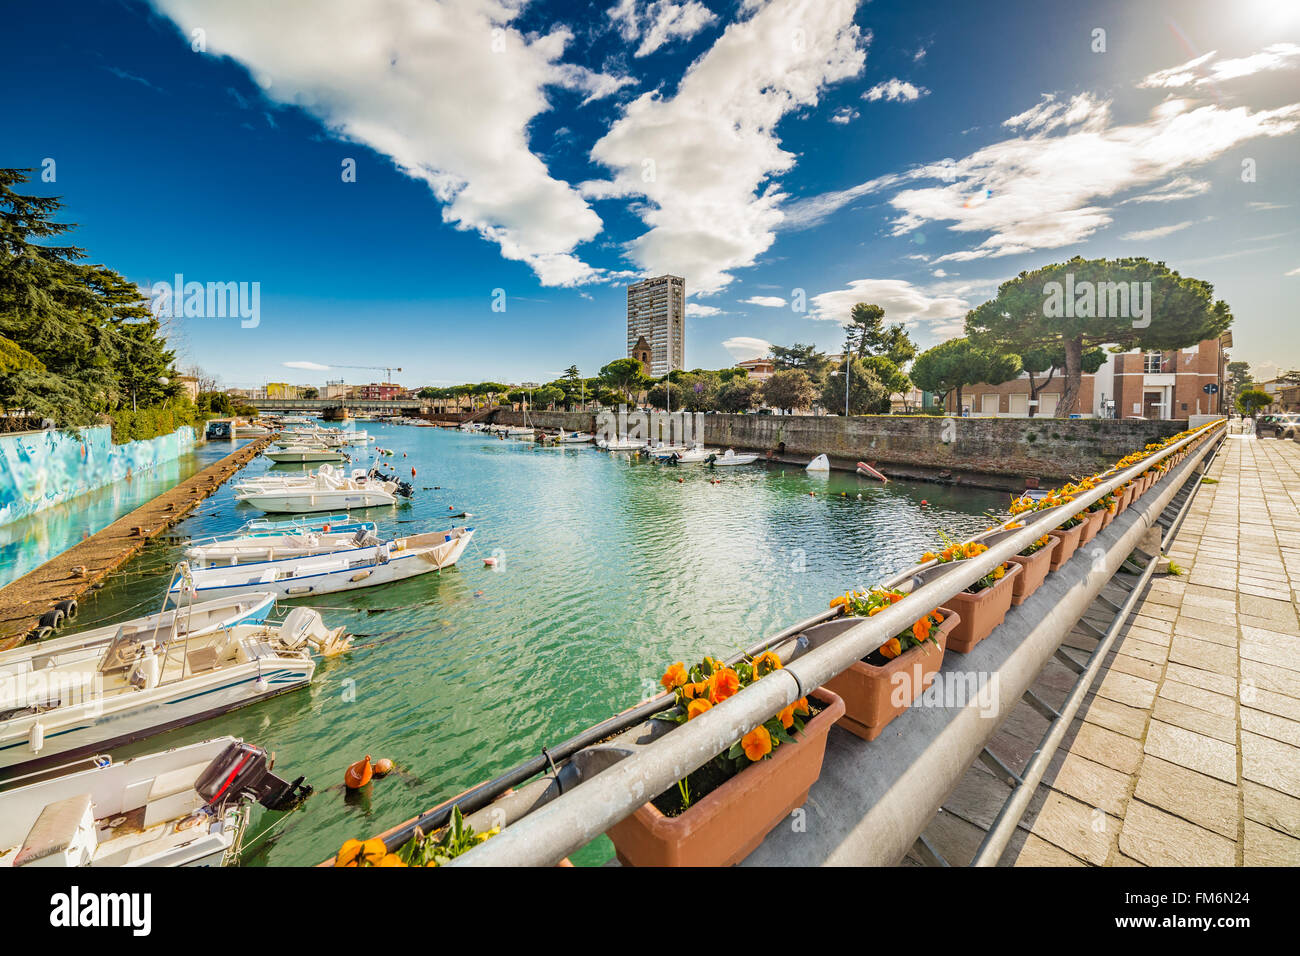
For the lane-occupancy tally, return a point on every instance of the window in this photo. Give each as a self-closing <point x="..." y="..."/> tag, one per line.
<point x="1154" y="363"/>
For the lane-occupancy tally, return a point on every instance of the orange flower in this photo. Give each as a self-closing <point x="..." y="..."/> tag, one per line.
<point x="766" y="662"/>
<point x="801" y="706"/>
<point x="836" y="602"/>
<point x="697" y="707"/>
<point x="999" y="572"/>
<point x="938" y="618"/>
<point x="875" y="610"/>
<point x="757" y="743"/>
<point x="674" y="677"/>
<point x="723" y="684"/>
<point x="921" y="629"/>
<point x="787" y="717"/>
<point x="390" y="859"/>
<point x="891" y="648"/>
<point x="895" y="597"/>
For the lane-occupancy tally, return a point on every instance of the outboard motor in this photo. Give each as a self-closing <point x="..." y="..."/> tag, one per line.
<point x="405" y="490"/>
<point x="242" y="770"/>
<point x="711" y="459"/>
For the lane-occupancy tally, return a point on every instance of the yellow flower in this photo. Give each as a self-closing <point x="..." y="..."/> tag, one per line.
<point x="1000" y="572"/>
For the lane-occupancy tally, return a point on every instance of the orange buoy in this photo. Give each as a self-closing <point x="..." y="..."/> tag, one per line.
<point x="412" y="472"/>
<point x="450" y="508"/>
<point x="924" y="502"/>
<point x="383" y="767"/>
<point x="359" y="774"/>
<point x="680" y="480"/>
<point x="325" y="528"/>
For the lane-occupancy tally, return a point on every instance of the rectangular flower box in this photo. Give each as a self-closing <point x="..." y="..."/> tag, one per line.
<point x="875" y="694"/>
<point x="728" y="824"/>
<point x="1091" y="525"/>
<point x="1069" y="544"/>
<point x="1033" y="571"/>
<point x="981" y="613"/>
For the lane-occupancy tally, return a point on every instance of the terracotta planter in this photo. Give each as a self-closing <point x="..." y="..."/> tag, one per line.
<point x="1069" y="544"/>
<point x="729" y="824"/>
<point x="1107" y="516"/>
<point x="1091" y="525"/>
<point x="981" y="613"/>
<point x="1033" y="571"/>
<point x="871" y="692"/>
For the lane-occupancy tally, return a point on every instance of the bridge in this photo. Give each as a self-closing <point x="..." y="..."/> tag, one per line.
<point x="319" y="406"/>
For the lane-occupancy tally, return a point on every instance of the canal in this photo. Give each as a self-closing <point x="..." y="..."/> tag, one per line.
<point x="608" y="568"/>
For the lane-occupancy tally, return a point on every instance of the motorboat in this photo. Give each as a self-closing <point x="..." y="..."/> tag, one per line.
<point x="520" y="432"/>
<point x="251" y="431"/>
<point x="56" y="707"/>
<point x="729" y="457"/>
<point x="187" y="806"/>
<point x="819" y="464"/>
<point x="308" y="479"/>
<point x="574" y="438"/>
<point x="196" y="619"/>
<point x="302" y="576"/>
<point x="621" y="444"/>
<point x="328" y="492"/>
<point x="867" y="471"/>
<point x="694" y="455"/>
<point x="299" y="454"/>
<point x="254" y="549"/>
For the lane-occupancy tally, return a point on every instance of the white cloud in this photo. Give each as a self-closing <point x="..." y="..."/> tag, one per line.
<point x="695" y="310"/>
<point x="939" y="273"/>
<point x="659" y="21"/>
<point x="312" y="366"/>
<point x="895" y="90"/>
<point x="1262" y="206"/>
<point x="742" y="347"/>
<point x="1040" y="191"/>
<point x="766" y="301"/>
<point x="1180" y="187"/>
<point x="844" y="115"/>
<point x="811" y="210"/>
<point x="705" y="157"/>
<point x="937" y="309"/>
<point x="1158" y="232"/>
<point x="1294" y="272"/>
<point x="1201" y="71"/>
<point x="421" y="84"/>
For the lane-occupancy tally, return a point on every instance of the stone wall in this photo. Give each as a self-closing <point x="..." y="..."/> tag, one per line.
<point x="963" y="450"/>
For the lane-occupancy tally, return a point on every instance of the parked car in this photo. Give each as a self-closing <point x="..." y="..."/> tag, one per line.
<point x="1278" y="426"/>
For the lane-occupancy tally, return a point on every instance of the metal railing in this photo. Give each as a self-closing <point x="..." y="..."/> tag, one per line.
<point x="1026" y="784"/>
<point x="560" y="827"/>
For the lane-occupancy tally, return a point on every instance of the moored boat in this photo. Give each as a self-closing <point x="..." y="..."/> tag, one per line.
<point x="138" y="685"/>
<point x="187" y="806"/>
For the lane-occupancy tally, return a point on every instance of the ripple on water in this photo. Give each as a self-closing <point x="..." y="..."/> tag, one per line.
<point x="610" y="569"/>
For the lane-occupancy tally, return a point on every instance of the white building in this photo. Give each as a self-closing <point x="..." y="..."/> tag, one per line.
<point x="656" y="309"/>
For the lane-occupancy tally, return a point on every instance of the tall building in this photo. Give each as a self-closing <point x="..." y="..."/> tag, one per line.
<point x="656" y="311"/>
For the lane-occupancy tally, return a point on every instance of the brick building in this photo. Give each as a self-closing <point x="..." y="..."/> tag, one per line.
<point x="380" y="391"/>
<point x="1158" y="385"/>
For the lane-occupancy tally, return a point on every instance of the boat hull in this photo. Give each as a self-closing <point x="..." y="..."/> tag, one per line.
<point x="97" y="725"/>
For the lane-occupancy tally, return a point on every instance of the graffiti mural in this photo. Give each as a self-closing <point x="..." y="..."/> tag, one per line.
<point x="41" y="469"/>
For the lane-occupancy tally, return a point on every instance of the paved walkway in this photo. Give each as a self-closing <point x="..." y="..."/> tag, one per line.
<point x="1188" y="752"/>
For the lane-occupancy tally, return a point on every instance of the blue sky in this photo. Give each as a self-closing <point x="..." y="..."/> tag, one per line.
<point x="778" y="153"/>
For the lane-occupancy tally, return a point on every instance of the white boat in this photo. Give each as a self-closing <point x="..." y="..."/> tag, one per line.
<point x="574" y="438"/>
<point x="731" y="458"/>
<point x="251" y="431"/>
<point x="194" y="619"/>
<point x="694" y="455"/>
<point x="325" y="492"/>
<point x="298" y="454"/>
<point x="255" y="549"/>
<point x="304" y="576"/>
<point x="621" y="444"/>
<point x="519" y="432"/>
<point x="820" y="463"/>
<point x="187" y="806"/>
<point x="137" y="687"/>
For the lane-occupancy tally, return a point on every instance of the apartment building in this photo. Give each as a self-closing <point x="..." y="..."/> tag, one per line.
<point x="656" y="312"/>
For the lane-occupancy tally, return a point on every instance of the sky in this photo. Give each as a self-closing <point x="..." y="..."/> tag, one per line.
<point x="464" y="188"/>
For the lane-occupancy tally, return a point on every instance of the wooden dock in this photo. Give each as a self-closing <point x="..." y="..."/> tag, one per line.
<point x="84" y="566"/>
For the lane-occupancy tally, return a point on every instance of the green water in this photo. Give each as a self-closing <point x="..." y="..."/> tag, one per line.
<point x="610" y="568"/>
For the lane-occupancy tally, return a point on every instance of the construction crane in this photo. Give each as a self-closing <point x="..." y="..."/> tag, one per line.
<point x="386" y="369"/>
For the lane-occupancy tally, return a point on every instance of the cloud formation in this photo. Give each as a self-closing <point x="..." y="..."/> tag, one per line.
<point x="896" y="91"/>
<point x="1206" y="70"/>
<point x="705" y="158"/>
<point x="743" y="347"/>
<point x="659" y="21"/>
<point x="446" y="91"/>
